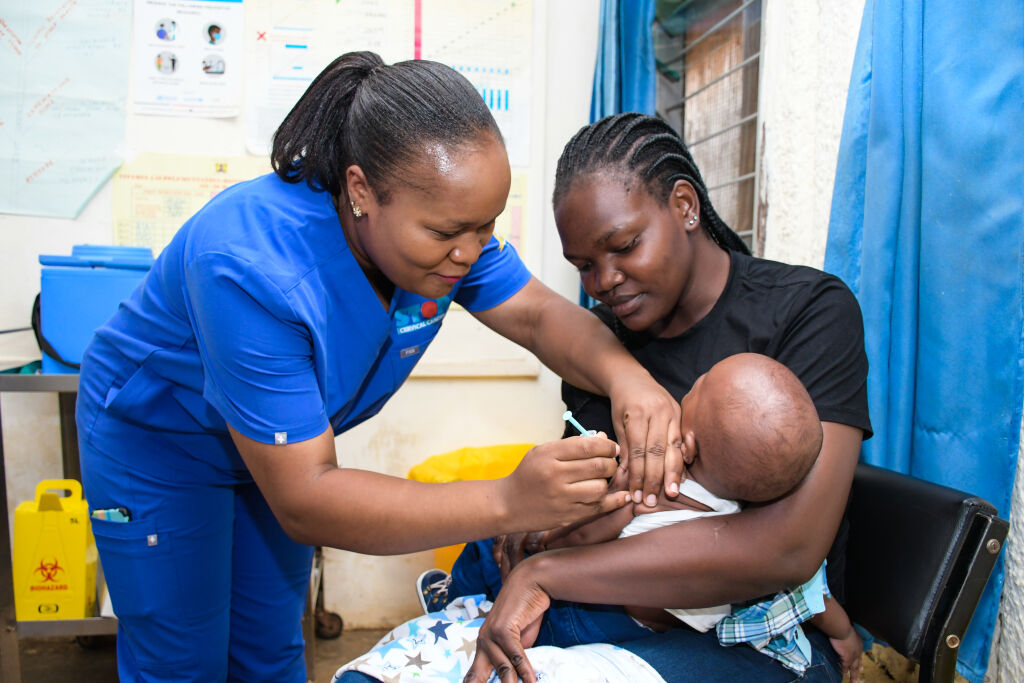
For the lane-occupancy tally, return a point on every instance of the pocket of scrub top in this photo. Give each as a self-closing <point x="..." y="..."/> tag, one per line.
<point x="139" y="576"/>
<point x="148" y="400"/>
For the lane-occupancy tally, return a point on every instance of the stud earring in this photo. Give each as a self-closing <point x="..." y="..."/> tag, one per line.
<point x="693" y="220"/>
<point x="356" y="211"/>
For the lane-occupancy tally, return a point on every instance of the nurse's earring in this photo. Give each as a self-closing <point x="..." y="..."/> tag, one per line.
<point x="356" y="211"/>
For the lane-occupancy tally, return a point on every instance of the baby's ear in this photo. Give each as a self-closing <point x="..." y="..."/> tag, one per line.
<point x="689" y="448"/>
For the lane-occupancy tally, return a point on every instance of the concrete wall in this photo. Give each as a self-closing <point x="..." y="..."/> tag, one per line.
<point x="1007" y="661"/>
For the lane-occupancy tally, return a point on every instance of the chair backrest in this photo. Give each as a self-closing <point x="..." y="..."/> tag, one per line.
<point x="918" y="557"/>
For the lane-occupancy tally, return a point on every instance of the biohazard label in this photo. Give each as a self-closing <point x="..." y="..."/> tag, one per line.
<point x="47" y="575"/>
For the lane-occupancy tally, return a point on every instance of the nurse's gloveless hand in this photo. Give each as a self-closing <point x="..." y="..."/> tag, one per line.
<point x="559" y="482"/>
<point x="646" y="420"/>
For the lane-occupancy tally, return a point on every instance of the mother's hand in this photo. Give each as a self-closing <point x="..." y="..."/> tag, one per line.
<point x="511" y="626"/>
<point x="646" y="420"/>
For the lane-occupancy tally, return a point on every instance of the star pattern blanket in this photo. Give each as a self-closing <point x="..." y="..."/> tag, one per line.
<point x="439" y="647"/>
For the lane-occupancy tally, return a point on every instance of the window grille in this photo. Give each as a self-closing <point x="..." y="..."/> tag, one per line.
<point x="708" y="57"/>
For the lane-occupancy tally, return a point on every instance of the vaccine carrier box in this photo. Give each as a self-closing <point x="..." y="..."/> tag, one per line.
<point x="54" y="555"/>
<point x="78" y="293"/>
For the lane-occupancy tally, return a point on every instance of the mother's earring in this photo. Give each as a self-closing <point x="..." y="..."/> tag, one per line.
<point x="356" y="211"/>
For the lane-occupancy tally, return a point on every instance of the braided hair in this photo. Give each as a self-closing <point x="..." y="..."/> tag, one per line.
<point x="648" y="150"/>
<point x="360" y="111"/>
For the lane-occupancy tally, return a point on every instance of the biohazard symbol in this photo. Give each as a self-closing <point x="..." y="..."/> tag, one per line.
<point x="48" y="571"/>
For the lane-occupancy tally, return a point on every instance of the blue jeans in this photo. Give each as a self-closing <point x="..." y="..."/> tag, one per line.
<point x="205" y="583"/>
<point x="680" y="654"/>
<point x="683" y="655"/>
<point x="565" y="623"/>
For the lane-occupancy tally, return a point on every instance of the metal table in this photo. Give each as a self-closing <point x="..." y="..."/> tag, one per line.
<point x="66" y="388"/>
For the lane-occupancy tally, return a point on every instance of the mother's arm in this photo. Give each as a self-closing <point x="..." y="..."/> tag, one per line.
<point x="700" y="563"/>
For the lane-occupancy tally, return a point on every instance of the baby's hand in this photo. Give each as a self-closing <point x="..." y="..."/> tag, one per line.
<point x="849" y="648"/>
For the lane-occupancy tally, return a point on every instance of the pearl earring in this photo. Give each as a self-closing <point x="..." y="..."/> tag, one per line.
<point x="356" y="211"/>
<point x="693" y="220"/>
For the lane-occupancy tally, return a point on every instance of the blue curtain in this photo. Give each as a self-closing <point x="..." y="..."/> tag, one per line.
<point x="927" y="228"/>
<point x="625" y="75"/>
<point x="624" y="78"/>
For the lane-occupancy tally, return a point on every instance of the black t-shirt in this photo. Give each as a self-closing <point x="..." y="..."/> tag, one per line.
<point x="804" y="318"/>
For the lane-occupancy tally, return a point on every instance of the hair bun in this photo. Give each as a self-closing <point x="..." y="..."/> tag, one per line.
<point x="362" y="63"/>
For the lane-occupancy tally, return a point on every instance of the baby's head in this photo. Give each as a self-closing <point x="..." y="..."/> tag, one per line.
<point x="750" y="430"/>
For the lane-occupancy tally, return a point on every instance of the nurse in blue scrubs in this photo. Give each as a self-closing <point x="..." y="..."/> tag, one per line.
<point x="286" y="311"/>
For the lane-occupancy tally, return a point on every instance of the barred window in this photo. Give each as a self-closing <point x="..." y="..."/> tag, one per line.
<point x="708" y="57"/>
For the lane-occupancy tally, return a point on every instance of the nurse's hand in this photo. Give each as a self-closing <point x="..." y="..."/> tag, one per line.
<point x="646" y="420"/>
<point x="559" y="482"/>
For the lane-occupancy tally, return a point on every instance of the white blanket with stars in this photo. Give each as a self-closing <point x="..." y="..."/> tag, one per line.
<point x="439" y="647"/>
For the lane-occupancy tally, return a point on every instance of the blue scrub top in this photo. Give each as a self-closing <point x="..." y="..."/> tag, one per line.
<point x="258" y="315"/>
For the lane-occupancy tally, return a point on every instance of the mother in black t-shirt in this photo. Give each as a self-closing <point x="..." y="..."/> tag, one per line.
<point x="682" y="292"/>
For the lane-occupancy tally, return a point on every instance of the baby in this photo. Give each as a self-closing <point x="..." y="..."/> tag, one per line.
<point x="750" y="433"/>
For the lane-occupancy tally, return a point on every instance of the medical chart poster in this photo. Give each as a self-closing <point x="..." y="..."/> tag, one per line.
<point x="488" y="41"/>
<point x="62" y="102"/>
<point x="188" y="57"/>
<point x="289" y="42"/>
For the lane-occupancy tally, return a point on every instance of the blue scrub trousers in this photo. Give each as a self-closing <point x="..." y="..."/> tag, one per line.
<point x="205" y="583"/>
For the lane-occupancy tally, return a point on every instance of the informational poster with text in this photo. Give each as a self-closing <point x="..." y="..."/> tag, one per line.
<point x="188" y="57"/>
<point x="156" y="193"/>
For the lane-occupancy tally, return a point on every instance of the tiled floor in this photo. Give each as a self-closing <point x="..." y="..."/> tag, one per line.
<point x="62" y="659"/>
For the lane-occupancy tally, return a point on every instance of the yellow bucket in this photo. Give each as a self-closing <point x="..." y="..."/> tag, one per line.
<point x="463" y="464"/>
<point x="54" y="554"/>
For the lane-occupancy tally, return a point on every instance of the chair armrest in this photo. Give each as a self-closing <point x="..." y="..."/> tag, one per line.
<point x="918" y="558"/>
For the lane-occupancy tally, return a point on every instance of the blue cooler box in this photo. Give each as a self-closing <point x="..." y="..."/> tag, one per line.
<point x="80" y="292"/>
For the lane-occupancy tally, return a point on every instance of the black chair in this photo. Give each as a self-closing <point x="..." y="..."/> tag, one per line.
<point x="918" y="558"/>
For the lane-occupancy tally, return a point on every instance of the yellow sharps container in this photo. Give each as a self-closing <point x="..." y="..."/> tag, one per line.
<point x="54" y="554"/>
<point x="486" y="462"/>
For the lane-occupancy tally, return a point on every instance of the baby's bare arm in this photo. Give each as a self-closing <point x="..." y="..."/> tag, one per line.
<point x="594" y="530"/>
<point x="608" y="526"/>
<point x="835" y="623"/>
